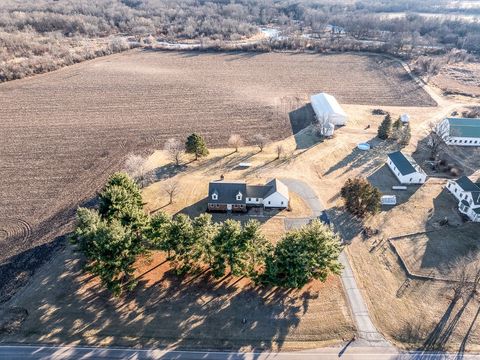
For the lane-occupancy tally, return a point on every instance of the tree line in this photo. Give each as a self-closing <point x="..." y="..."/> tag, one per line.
<point x="113" y="236"/>
<point x="41" y="35"/>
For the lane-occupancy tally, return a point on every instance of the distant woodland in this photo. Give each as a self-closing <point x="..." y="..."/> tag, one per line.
<point x="42" y="35"/>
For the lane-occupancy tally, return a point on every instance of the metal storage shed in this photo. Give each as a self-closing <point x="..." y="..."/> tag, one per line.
<point x="327" y="109"/>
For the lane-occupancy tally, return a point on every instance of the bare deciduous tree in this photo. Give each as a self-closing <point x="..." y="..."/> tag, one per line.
<point x="322" y="126"/>
<point x="261" y="141"/>
<point x="435" y="139"/>
<point x="280" y="150"/>
<point x="235" y="141"/>
<point x="175" y="149"/>
<point x="135" y="167"/>
<point x="171" y="188"/>
<point x="466" y="272"/>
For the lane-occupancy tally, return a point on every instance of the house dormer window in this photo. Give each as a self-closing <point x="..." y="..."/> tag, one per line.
<point x="215" y="196"/>
<point x="239" y="196"/>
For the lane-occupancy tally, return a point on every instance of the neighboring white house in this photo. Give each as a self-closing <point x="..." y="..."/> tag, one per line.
<point x="405" y="168"/>
<point x="327" y="109"/>
<point x="468" y="196"/>
<point x="460" y="131"/>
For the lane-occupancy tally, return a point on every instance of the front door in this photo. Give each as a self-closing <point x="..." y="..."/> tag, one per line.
<point x="229" y="207"/>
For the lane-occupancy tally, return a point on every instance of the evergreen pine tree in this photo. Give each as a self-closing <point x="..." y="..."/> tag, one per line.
<point x="196" y="145"/>
<point x="310" y="252"/>
<point x="361" y="198"/>
<point x="385" y="128"/>
<point x="406" y="135"/>
<point x="397" y="128"/>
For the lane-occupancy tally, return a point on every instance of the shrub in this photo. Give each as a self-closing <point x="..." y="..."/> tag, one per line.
<point x="455" y="172"/>
<point x="379" y="112"/>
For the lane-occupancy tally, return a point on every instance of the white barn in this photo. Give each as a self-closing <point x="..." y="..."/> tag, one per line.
<point x="468" y="195"/>
<point x="460" y="131"/>
<point x="405" y="168"/>
<point x="327" y="109"/>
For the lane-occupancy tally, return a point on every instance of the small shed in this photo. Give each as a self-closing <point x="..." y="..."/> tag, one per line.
<point x="327" y="109"/>
<point x="329" y="129"/>
<point x="405" y="168"/>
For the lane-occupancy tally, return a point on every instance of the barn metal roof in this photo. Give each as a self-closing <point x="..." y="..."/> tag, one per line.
<point x="463" y="127"/>
<point x="405" y="163"/>
<point x="326" y="103"/>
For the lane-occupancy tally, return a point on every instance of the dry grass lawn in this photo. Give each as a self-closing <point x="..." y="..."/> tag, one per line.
<point x="197" y="312"/>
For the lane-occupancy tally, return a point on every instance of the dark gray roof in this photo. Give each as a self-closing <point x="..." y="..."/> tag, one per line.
<point x="227" y="191"/>
<point x="462" y="127"/>
<point x="476" y="197"/>
<point x="257" y="191"/>
<point x="467" y="185"/>
<point x="406" y="165"/>
<point x="277" y="186"/>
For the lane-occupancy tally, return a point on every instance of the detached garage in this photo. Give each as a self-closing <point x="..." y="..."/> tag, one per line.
<point x="406" y="170"/>
<point x="327" y="109"/>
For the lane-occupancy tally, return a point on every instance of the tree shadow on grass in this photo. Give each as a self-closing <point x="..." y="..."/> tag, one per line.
<point x="347" y="225"/>
<point x="65" y="305"/>
<point x="229" y="162"/>
<point x="372" y="158"/>
<point x="163" y="173"/>
<point x="383" y="179"/>
<point x="449" y="242"/>
<point x="466" y="159"/>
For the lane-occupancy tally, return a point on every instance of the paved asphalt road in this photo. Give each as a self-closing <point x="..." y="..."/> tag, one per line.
<point x="365" y="328"/>
<point x="86" y="353"/>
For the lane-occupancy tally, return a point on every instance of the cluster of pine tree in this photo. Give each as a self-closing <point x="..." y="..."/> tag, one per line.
<point x="396" y="131"/>
<point x="112" y="238"/>
<point x="361" y="198"/>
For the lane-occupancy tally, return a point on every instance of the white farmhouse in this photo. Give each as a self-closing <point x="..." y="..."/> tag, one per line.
<point x="237" y="196"/>
<point x="405" y="168"/>
<point x="328" y="110"/>
<point x="468" y="196"/>
<point x="460" y="131"/>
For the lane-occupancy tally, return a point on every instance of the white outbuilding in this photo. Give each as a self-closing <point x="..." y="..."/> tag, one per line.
<point x="405" y="168"/>
<point x="460" y="131"/>
<point x="327" y="109"/>
<point x="405" y="118"/>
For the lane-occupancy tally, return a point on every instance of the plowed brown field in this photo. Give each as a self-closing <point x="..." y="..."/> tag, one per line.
<point x="62" y="133"/>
